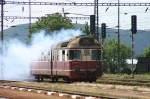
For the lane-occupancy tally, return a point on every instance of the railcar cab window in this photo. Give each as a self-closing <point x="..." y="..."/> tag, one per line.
<point x="96" y="54"/>
<point x="74" y="54"/>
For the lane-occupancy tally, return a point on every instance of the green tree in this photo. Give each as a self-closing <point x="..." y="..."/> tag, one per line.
<point x="86" y="29"/>
<point x="111" y="56"/>
<point x="51" y="23"/>
<point x="146" y="52"/>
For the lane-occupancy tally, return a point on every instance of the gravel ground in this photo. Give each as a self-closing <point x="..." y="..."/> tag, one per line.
<point x="119" y="91"/>
<point x="93" y="89"/>
<point x="12" y="94"/>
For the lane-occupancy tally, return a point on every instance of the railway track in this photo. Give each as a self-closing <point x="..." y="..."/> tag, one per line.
<point x="62" y="90"/>
<point x="55" y="92"/>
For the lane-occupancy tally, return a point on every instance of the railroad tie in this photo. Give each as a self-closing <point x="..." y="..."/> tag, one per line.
<point x="6" y="87"/>
<point x="64" y="95"/>
<point x="21" y="89"/>
<point x="13" y="88"/>
<point x="76" y="97"/>
<point x="90" y="98"/>
<point x="55" y="94"/>
<point x="29" y="90"/>
<point x="39" y="91"/>
<point x="50" y="93"/>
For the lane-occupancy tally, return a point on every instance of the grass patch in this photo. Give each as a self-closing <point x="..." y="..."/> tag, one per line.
<point x="126" y="76"/>
<point x="124" y="79"/>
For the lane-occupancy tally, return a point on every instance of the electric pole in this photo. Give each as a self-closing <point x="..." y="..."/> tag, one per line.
<point x="96" y="20"/>
<point x="118" y="60"/>
<point x="2" y="22"/>
<point x="29" y="19"/>
<point x="134" y="31"/>
<point x="2" y="35"/>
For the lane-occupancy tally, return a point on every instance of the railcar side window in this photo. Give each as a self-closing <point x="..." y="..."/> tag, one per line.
<point x="63" y="52"/>
<point x="74" y="54"/>
<point x="96" y="54"/>
<point x="63" y="55"/>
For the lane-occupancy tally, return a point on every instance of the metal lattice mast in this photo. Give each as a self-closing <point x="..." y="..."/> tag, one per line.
<point x="29" y="19"/>
<point x="96" y="19"/>
<point x="2" y="36"/>
<point x="119" y="57"/>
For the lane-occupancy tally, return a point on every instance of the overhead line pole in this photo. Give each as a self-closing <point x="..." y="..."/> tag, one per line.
<point x="118" y="61"/>
<point x="2" y="36"/>
<point x="29" y="18"/>
<point x="96" y="20"/>
<point x="2" y="22"/>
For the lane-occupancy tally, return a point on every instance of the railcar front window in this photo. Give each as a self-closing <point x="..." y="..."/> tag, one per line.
<point x="96" y="54"/>
<point x="74" y="54"/>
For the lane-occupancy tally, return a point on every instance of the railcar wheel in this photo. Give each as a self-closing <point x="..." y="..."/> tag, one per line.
<point x="37" y="78"/>
<point x="41" y="79"/>
<point x="92" y="80"/>
<point x="54" y="79"/>
<point x="67" y="80"/>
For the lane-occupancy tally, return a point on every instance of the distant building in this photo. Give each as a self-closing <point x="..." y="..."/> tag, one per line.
<point x="129" y="61"/>
<point x="130" y="66"/>
<point x="143" y="65"/>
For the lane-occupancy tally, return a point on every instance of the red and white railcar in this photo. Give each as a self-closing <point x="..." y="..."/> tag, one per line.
<point x="75" y="60"/>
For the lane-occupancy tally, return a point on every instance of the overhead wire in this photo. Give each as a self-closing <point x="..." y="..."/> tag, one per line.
<point x="125" y="13"/>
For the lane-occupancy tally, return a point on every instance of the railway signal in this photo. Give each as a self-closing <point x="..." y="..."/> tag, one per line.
<point x="134" y="24"/>
<point x="103" y="35"/>
<point x="134" y="31"/>
<point x="103" y="30"/>
<point x="92" y="25"/>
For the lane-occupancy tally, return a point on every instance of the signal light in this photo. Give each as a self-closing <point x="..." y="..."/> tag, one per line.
<point x="103" y="30"/>
<point x="134" y="24"/>
<point x="92" y="24"/>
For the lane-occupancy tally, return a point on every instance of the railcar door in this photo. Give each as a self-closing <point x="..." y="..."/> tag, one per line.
<point x="86" y="57"/>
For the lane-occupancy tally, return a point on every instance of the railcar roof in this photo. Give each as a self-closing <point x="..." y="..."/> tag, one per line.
<point x="79" y="42"/>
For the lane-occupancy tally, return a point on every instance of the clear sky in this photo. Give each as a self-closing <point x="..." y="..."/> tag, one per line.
<point x="109" y="16"/>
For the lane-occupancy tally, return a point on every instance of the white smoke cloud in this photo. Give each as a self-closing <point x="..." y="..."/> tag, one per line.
<point x="17" y="56"/>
